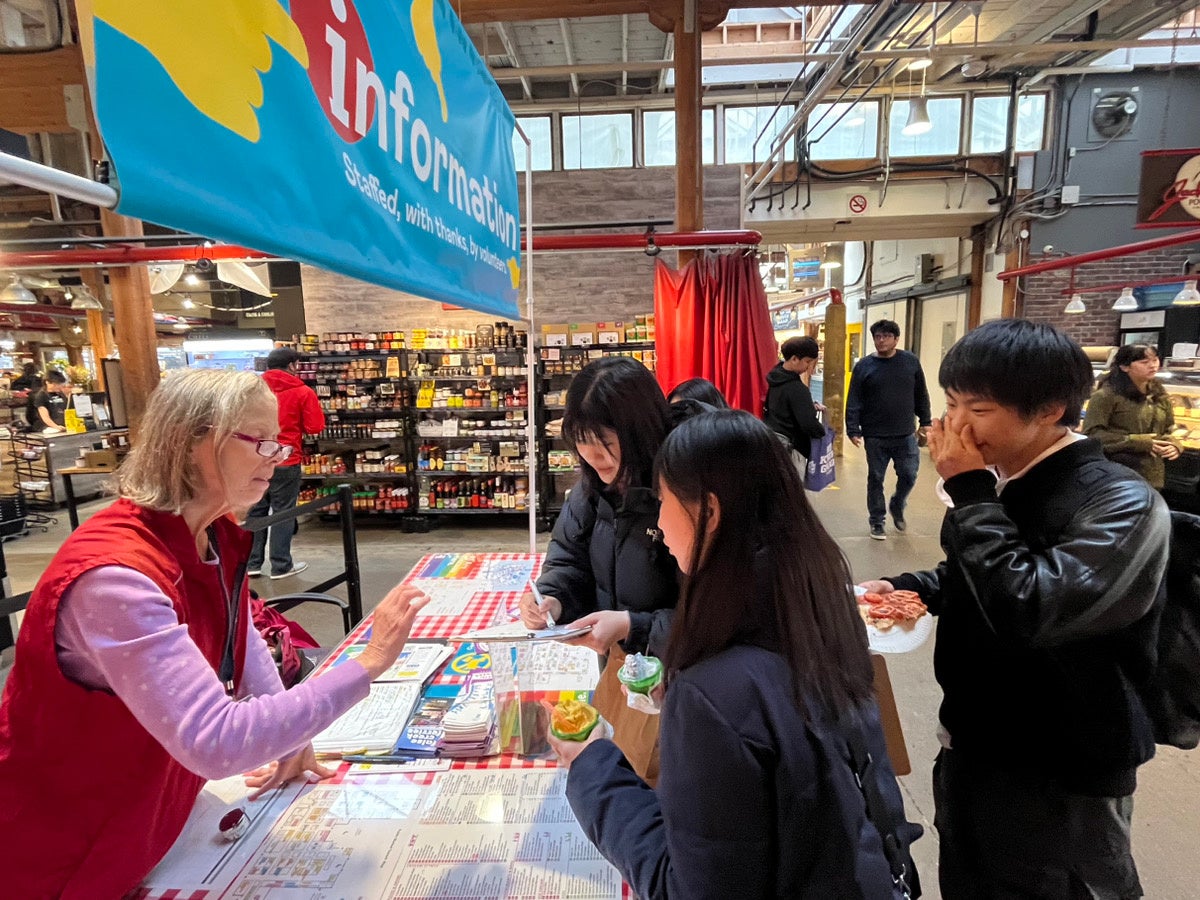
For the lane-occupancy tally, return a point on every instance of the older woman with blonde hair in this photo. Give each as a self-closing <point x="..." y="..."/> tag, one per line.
<point x="138" y="672"/>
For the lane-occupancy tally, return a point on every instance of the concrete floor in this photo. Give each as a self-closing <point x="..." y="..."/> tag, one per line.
<point x="1167" y="815"/>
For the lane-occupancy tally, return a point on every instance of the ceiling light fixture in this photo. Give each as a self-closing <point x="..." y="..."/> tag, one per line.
<point x="918" y="116"/>
<point x="17" y="294"/>
<point x="76" y="329"/>
<point x="829" y="261"/>
<point x="1075" y="306"/>
<point x="1189" y="296"/>
<point x="189" y="303"/>
<point x="192" y="279"/>
<point x="973" y="68"/>
<point x="1126" y="302"/>
<point x="85" y="299"/>
<point x="924" y="62"/>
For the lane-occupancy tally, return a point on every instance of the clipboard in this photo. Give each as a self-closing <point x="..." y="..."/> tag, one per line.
<point x="515" y="633"/>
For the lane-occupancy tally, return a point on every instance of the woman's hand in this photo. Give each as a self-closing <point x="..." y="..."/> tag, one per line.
<point x="390" y="626"/>
<point x="1164" y="448"/>
<point x="608" y="627"/>
<point x="279" y="773"/>
<point x="533" y="616"/>
<point x="567" y="751"/>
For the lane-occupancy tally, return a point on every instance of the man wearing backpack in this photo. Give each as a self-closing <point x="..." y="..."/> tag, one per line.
<point x="788" y="408"/>
<point x="1048" y="605"/>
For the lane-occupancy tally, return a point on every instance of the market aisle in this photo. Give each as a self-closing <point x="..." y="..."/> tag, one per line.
<point x="1167" y="817"/>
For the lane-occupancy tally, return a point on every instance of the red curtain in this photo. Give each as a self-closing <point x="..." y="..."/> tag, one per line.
<point x="711" y="321"/>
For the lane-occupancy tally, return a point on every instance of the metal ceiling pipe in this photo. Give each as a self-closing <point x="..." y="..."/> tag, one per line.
<point x="1070" y="262"/>
<point x="1118" y="69"/>
<point x="56" y="181"/>
<point x="665" y="240"/>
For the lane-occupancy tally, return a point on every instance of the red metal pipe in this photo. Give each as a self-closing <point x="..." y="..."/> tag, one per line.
<point x="1068" y="262"/>
<point x="76" y="257"/>
<point x="666" y="240"/>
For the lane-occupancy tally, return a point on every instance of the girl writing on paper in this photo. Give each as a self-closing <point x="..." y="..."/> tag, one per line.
<point x="1131" y="415"/>
<point x="138" y="646"/>
<point x="769" y="725"/>
<point x="606" y="565"/>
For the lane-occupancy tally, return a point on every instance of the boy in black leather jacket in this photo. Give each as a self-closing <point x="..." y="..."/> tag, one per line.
<point x="1048" y="604"/>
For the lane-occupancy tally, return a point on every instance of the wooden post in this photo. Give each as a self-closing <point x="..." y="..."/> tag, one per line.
<point x="835" y="368"/>
<point x="134" y="315"/>
<point x="689" y="171"/>
<point x="99" y="331"/>
<point x="975" y="297"/>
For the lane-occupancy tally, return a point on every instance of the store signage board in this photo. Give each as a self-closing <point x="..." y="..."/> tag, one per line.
<point x="365" y="138"/>
<point x="1169" y="191"/>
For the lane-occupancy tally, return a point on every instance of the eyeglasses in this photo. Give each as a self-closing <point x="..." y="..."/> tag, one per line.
<point x="264" y="448"/>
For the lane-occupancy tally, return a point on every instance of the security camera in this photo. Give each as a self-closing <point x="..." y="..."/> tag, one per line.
<point x="1048" y="249"/>
<point x="204" y="265"/>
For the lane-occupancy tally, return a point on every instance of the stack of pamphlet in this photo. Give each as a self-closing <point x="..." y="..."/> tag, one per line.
<point x="469" y="727"/>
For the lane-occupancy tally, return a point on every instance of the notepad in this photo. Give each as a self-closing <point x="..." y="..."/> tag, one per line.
<point x="515" y="632"/>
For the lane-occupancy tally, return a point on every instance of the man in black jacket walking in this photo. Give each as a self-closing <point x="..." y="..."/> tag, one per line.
<point x="887" y="397"/>
<point x="789" y="410"/>
<point x="1048" y="605"/>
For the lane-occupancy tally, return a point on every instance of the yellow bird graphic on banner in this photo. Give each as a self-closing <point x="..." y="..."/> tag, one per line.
<point x="215" y="51"/>
<point x="426" y="34"/>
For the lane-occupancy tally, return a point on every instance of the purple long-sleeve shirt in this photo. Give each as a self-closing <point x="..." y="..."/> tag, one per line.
<point x="117" y="631"/>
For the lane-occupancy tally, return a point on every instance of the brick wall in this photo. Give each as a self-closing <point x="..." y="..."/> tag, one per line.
<point x="568" y="287"/>
<point x="1045" y="297"/>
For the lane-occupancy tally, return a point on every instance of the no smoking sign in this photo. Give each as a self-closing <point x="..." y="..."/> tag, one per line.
<point x="858" y="204"/>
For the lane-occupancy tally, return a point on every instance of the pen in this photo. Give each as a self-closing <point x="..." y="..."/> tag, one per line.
<point x="384" y="758"/>
<point x="537" y="595"/>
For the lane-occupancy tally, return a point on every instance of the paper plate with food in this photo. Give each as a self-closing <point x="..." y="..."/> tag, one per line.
<point x="896" y="622"/>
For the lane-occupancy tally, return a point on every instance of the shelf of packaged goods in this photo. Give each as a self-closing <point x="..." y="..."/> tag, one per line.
<point x="554" y="408"/>
<point x="447" y="473"/>
<point x="472" y="437"/>
<point x="354" y="443"/>
<point x="354" y="354"/>
<point x="359" y="477"/>
<point x="520" y="376"/>
<point x="574" y="470"/>
<point x="442" y="351"/>
<point x="472" y="410"/>
<point x="474" y="511"/>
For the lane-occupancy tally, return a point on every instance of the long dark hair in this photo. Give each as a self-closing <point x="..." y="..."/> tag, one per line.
<point x="767" y="531"/>
<point x="1119" y="382"/>
<point x="618" y="392"/>
<point x="698" y="389"/>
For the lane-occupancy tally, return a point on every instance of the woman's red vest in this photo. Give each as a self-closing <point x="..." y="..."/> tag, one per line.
<point x="89" y="801"/>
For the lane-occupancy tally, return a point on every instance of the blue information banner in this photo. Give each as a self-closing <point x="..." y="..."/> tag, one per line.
<point x="368" y="139"/>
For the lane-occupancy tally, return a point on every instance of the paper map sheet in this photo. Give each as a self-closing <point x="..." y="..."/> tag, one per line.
<point x="485" y="834"/>
<point x="450" y="598"/>
<point x="552" y="666"/>
<point x="374" y="723"/>
<point x="200" y="860"/>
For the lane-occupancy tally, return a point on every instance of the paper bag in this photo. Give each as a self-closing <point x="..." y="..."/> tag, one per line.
<point x="820" y="472"/>
<point x="636" y="733"/>
<point x="889" y="717"/>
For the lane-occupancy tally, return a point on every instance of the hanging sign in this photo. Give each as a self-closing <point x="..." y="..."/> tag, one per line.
<point x="1169" y="193"/>
<point x="366" y="138"/>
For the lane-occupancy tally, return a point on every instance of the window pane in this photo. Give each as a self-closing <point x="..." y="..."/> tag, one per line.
<point x="855" y="136"/>
<point x="742" y="125"/>
<point x="989" y="123"/>
<point x="658" y="137"/>
<point x="538" y="130"/>
<point x="945" y="115"/>
<point x="598" y="142"/>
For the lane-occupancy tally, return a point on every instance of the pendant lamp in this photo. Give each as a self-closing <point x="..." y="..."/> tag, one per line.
<point x="918" y="117"/>
<point x="1189" y="296"/>
<point x="85" y="299"/>
<point x="1126" y="302"/>
<point x="17" y="294"/>
<point x="1075" y="306"/>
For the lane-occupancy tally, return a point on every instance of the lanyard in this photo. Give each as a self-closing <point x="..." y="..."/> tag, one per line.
<point x="233" y="610"/>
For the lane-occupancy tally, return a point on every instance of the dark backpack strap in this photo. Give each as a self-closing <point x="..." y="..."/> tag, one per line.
<point x="880" y="815"/>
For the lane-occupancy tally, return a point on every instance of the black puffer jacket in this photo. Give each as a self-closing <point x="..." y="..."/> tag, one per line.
<point x="755" y="799"/>
<point x="1048" y="606"/>
<point x="789" y="411"/>
<point x="602" y="558"/>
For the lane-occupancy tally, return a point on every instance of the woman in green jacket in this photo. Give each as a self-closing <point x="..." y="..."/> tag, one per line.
<point x="1131" y="415"/>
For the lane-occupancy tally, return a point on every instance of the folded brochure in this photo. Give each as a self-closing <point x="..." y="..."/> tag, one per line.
<point x="514" y="632"/>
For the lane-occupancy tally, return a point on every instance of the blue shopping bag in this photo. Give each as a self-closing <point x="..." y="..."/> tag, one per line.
<point x="820" y="472"/>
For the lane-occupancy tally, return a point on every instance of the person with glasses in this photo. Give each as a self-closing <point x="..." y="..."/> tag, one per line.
<point x="139" y="673"/>
<point x="299" y="414"/>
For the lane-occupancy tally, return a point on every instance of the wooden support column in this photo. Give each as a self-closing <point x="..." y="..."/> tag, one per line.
<point x="975" y="297"/>
<point x="134" y="316"/>
<point x="834" y="382"/>
<point x="689" y="172"/>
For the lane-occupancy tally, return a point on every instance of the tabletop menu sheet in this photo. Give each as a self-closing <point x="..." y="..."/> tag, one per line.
<point x="484" y="834"/>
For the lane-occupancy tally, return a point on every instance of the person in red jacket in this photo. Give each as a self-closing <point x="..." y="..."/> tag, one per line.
<point x="299" y="414"/>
